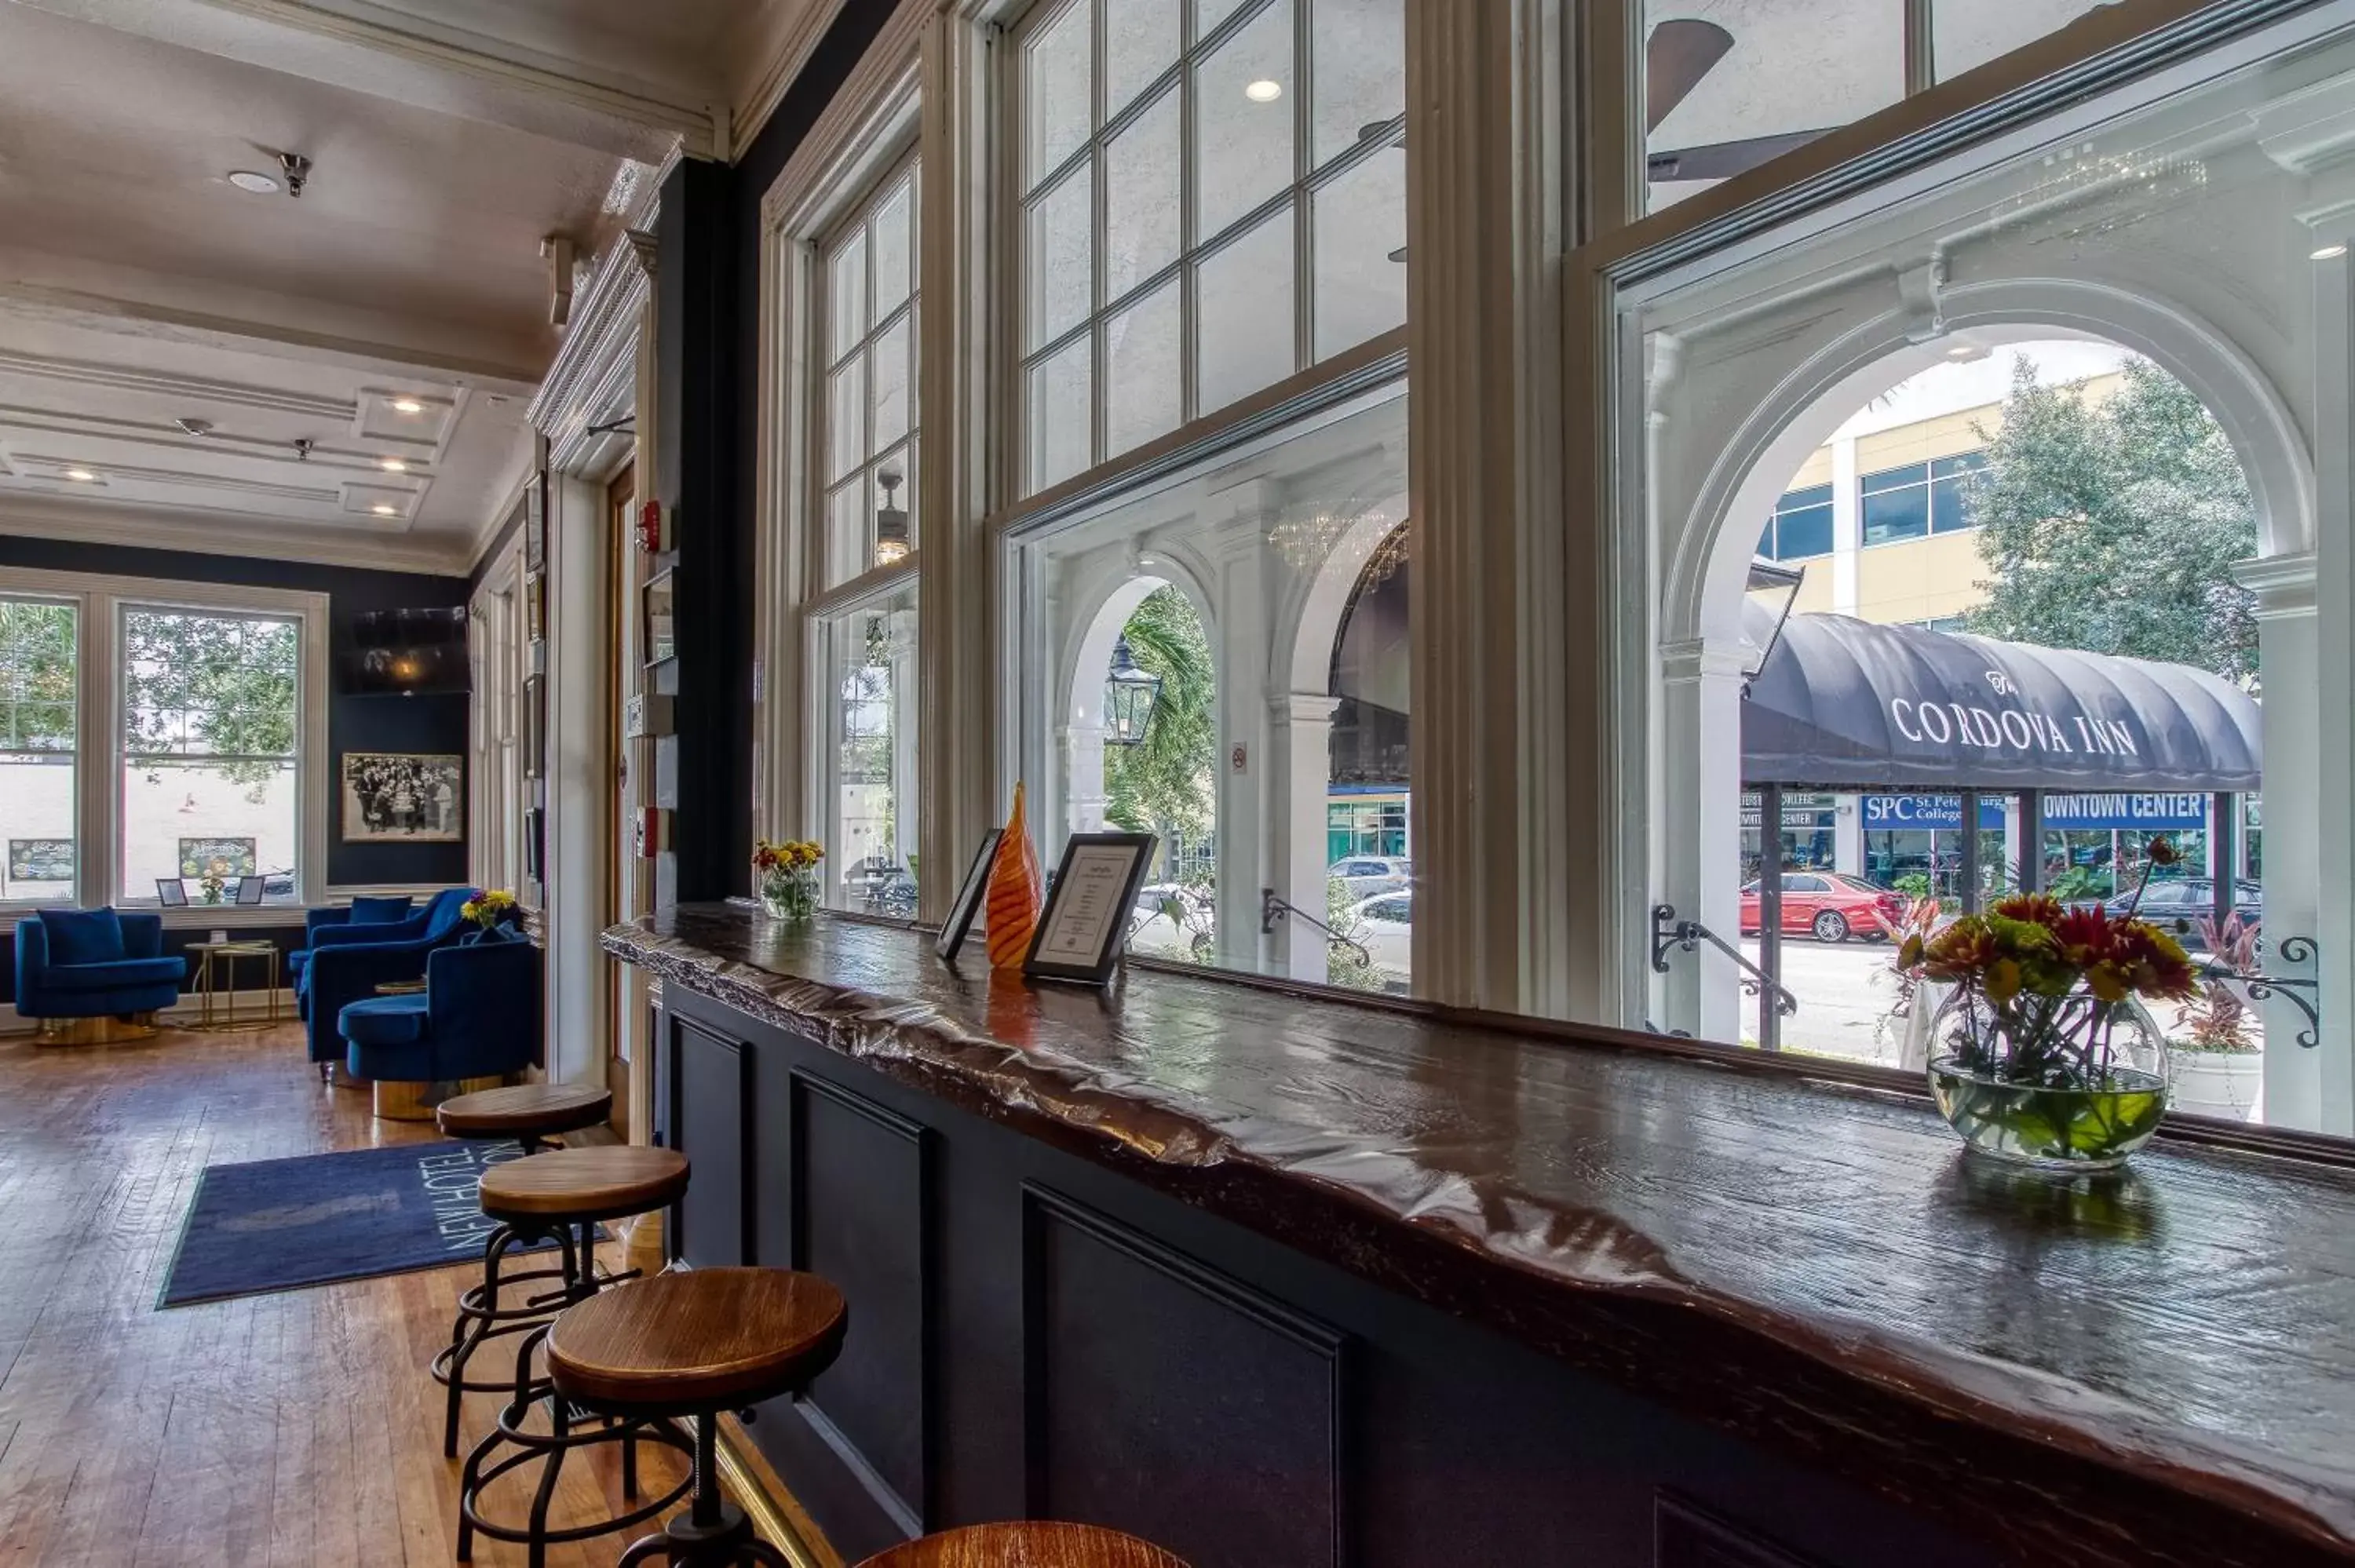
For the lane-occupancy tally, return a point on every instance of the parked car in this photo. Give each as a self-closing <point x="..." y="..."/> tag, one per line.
<point x="1384" y="926"/>
<point x="1829" y="906"/>
<point x="1367" y="874"/>
<point x="1171" y="920"/>
<point x="2175" y="905"/>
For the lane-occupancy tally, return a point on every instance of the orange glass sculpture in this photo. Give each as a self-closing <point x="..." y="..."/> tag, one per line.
<point x="1015" y="892"/>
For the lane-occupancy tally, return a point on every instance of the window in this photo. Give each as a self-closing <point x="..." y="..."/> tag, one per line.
<point x="39" y="705"/>
<point x="1918" y="498"/>
<point x="867" y="659"/>
<point x="211" y="714"/>
<point x="1201" y="215"/>
<point x="158" y="731"/>
<point x="865" y="449"/>
<point x="1801" y="526"/>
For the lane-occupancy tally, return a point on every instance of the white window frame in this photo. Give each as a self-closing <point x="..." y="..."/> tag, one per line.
<point x="824" y="752"/>
<point x="866" y="136"/>
<point x="498" y="788"/>
<point x="904" y="171"/>
<point x="100" y="755"/>
<point x="1299" y="192"/>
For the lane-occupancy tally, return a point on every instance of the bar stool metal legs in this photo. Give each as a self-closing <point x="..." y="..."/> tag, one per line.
<point x="713" y="1532"/>
<point x="483" y="1316"/>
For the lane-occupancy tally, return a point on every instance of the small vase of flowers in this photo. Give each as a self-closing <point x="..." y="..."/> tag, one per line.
<point x="2029" y="1054"/>
<point x="787" y="876"/>
<point x="213" y="886"/>
<point x="489" y="912"/>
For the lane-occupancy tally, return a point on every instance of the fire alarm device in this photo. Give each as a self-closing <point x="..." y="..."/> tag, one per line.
<point x="653" y="831"/>
<point x="654" y="527"/>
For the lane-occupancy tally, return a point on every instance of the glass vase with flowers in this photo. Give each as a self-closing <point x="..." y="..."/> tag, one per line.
<point x="786" y="874"/>
<point x="2031" y="1052"/>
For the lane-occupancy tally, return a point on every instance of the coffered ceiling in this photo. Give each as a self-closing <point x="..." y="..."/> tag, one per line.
<point x="339" y="375"/>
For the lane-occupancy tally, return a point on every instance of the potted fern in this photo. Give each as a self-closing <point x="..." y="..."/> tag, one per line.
<point x="2214" y="1061"/>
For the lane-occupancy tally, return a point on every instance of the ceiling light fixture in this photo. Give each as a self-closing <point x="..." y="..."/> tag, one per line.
<point x="394" y="465"/>
<point x="2327" y="253"/>
<point x="407" y="406"/>
<point x="385" y="509"/>
<point x="1266" y="89"/>
<point x="253" y="180"/>
<point x="81" y="475"/>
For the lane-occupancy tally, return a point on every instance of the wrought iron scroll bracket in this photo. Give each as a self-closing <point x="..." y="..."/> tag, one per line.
<point x="2295" y="989"/>
<point x="1272" y="908"/>
<point x="1686" y="935"/>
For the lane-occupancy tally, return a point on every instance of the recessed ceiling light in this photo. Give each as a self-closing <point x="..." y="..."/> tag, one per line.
<point x="253" y="180"/>
<point x="1265" y="90"/>
<point x="81" y="475"/>
<point x="2328" y="253"/>
<point x="394" y="465"/>
<point x="385" y="509"/>
<point x="407" y="406"/>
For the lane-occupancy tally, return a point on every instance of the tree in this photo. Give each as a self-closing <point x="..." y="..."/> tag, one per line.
<point x="2112" y="527"/>
<point x="1162" y="785"/>
<point x="37" y="696"/>
<point x="212" y="686"/>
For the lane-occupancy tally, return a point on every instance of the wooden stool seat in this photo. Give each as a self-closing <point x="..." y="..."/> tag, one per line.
<point x="609" y="1181"/>
<point x="707" y="1338"/>
<point x="1027" y="1544"/>
<point x="530" y="1112"/>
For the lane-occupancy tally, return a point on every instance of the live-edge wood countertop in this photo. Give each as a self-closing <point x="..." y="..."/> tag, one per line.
<point x="2156" y="1367"/>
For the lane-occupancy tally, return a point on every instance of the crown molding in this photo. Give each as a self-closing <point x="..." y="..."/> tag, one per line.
<point x="593" y="380"/>
<point x="780" y="44"/>
<point x="214" y="534"/>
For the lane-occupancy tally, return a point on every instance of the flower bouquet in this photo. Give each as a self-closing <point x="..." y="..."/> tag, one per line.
<point x="787" y="876"/>
<point x="489" y="910"/>
<point x="2029" y="1052"/>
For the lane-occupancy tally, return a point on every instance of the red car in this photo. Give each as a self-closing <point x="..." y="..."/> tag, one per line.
<point x="1829" y="907"/>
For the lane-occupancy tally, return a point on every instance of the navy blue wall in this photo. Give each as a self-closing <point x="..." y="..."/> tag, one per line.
<point x="354" y="724"/>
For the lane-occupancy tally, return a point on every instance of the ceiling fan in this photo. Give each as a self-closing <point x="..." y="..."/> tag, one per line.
<point x="1675" y="58"/>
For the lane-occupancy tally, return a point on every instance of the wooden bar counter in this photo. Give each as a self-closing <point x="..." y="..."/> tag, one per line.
<point x="1280" y="1281"/>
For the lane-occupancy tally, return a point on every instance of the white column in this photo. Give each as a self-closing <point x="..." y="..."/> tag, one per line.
<point x="580" y="725"/>
<point x="1700" y="869"/>
<point x="1242" y="569"/>
<point x="1847" y="525"/>
<point x="2297" y="880"/>
<point x="1848" y="836"/>
<point x="1083" y="774"/>
<point x="1300" y="757"/>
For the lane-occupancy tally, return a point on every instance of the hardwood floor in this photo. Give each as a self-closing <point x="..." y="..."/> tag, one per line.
<point x="299" y="1429"/>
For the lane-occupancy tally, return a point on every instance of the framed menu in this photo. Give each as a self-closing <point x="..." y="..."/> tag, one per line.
<point x="1086" y="922"/>
<point x="970" y="892"/>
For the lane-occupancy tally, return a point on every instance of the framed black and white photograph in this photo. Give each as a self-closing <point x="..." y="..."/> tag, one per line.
<point x="413" y="798"/>
<point x="970" y="893"/>
<point x="1085" y="925"/>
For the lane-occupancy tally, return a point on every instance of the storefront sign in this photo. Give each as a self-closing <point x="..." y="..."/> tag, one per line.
<point x="2072" y="813"/>
<point x="1801" y="813"/>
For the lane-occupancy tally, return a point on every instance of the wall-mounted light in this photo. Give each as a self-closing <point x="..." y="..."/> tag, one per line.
<point x="891" y="542"/>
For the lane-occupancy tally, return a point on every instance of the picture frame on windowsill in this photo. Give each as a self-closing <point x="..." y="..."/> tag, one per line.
<point x="970" y="893"/>
<point x="1083" y="930"/>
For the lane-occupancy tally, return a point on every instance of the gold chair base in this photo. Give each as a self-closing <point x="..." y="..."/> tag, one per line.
<point x="415" y="1102"/>
<point x="104" y="1031"/>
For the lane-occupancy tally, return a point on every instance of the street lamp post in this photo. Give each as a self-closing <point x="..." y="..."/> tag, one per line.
<point x="1130" y="694"/>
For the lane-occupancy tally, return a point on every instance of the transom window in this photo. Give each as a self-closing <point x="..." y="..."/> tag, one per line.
<point x="866" y="446"/>
<point x="1201" y="216"/>
<point x="1918" y="498"/>
<point x="1801" y="525"/>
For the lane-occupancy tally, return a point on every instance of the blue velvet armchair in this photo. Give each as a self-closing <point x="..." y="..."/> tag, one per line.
<point x="374" y="917"/>
<point x="478" y="1016"/>
<point x="347" y="963"/>
<point x="101" y="964"/>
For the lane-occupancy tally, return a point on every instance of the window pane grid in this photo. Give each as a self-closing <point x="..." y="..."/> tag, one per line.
<point x="867" y="398"/>
<point x="1272" y="45"/>
<point x="40" y="673"/>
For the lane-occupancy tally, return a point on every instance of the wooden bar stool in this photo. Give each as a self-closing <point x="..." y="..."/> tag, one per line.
<point x="687" y="1346"/>
<point x="1026" y="1543"/>
<point x="531" y="1114"/>
<point x="555" y="1195"/>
